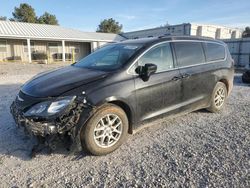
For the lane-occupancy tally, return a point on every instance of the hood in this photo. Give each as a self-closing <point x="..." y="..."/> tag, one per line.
<point x="56" y="82"/>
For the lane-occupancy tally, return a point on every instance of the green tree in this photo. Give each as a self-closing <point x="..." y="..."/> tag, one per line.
<point x="47" y="18"/>
<point x="109" y="26"/>
<point x="246" y="33"/>
<point x="24" y="13"/>
<point x="3" y="18"/>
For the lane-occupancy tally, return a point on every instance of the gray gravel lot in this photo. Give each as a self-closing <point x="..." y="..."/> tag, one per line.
<point x="199" y="149"/>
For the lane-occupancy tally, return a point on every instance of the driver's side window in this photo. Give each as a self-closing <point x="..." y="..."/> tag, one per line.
<point x="160" y="55"/>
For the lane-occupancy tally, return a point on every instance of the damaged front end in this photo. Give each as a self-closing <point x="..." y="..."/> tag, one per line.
<point x="53" y="119"/>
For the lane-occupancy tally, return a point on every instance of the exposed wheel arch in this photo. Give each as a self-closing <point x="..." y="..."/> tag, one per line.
<point x="225" y="81"/>
<point x="128" y="112"/>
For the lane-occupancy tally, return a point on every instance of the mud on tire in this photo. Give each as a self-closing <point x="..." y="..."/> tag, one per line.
<point x="218" y="98"/>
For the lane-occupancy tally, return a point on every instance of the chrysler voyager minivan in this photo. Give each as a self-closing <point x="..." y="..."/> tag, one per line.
<point x="100" y="99"/>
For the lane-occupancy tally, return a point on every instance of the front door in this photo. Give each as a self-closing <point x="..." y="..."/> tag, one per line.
<point x="162" y="92"/>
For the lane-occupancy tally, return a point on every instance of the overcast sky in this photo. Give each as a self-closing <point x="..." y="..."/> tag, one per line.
<point x="138" y="14"/>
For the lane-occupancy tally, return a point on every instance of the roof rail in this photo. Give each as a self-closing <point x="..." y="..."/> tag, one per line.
<point x="162" y="36"/>
<point x="184" y="36"/>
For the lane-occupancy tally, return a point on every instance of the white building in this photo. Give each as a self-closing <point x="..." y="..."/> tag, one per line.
<point x="23" y="41"/>
<point x="214" y="31"/>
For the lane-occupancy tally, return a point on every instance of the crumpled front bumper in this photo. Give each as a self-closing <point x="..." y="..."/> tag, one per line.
<point x="33" y="127"/>
<point x="49" y="126"/>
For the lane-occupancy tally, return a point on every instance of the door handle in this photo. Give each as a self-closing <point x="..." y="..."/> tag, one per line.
<point x="186" y="75"/>
<point x="176" y="78"/>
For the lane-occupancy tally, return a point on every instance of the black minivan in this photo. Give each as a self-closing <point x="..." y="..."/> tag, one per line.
<point x="98" y="100"/>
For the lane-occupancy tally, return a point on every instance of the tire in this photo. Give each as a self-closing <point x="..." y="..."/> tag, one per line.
<point x="106" y="130"/>
<point x="218" y="98"/>
<point x="246" y="77"/>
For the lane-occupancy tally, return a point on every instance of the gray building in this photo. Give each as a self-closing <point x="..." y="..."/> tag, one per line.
<point x="240" y="51"/>
<point x="21" y="41"/>
<point x="193" y="29"/>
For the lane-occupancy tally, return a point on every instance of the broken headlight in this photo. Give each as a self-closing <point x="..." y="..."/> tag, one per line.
<point x="49" y="108"/>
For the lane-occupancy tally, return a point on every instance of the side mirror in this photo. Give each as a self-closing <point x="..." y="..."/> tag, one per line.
<point x="146" y="71"/>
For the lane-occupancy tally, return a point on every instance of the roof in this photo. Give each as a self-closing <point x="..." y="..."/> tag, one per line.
<point x="9" y="29"/>
<point x="140" y="40"/>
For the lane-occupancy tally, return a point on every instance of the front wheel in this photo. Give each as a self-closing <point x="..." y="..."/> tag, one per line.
<point x="218" y="97"/>
<point x="105" y="131"/>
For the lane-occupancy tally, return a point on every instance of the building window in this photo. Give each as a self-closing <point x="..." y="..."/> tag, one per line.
<point x="3" y="46"/>
<point x="53" y="47"/>
<point x="25" y="47"/>
<point x="75" y="49"/>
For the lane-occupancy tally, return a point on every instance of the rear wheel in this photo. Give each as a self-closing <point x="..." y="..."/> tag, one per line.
<point x="105" y="131"/>
<point x="218" y="97"/>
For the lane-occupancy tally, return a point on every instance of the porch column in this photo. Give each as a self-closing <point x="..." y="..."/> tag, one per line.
<point x="94" y="46"/>
<point x="63" y="50"/>
<point x="29" y="50"/>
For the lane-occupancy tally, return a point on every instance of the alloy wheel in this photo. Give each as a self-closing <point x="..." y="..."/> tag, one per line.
<point x="220" y="96"/>
<point x="108" y="131"/>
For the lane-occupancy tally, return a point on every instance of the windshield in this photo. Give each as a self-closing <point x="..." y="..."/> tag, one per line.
<point x="110" y="57"/>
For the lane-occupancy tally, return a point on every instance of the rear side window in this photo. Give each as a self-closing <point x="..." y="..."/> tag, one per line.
<point x="189" y="53"/>
<point x="214" y="51"/>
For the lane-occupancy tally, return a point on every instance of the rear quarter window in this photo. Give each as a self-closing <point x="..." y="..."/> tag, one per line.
<point x="214" y="51"/>
<point x="189" y="53"/>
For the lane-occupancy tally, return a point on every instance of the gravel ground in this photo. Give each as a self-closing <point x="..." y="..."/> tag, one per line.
<point x="200" y="149"/>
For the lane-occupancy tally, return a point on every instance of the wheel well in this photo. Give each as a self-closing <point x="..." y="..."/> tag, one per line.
<point x="224" y="81"/>
<point x="128" y="112"/>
